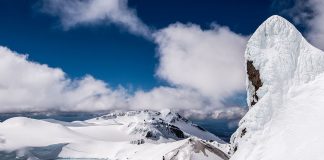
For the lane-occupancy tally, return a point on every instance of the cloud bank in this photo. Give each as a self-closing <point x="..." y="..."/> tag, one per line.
<point x="72" y="13"/>
<point x="30" y="86"/>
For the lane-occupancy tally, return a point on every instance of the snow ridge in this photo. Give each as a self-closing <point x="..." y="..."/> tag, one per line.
<point x="196" y="149"/>
<point x="156" y="125"/>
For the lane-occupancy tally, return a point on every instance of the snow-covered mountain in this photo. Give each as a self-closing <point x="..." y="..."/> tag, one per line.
<point x="285" y="85"/>
<point x="137" y="135"/>
<point x="161" y="126"/>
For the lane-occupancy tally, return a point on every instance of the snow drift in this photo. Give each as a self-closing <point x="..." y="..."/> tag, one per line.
<point x="285" y="86"/>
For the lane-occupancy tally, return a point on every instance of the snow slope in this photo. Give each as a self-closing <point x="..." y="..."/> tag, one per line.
<point x="196" y="149"/>
<point x="119" y="135"/>
<point x="285" y="86"/>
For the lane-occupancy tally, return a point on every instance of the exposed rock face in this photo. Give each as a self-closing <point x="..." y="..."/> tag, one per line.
<point x="254" y="79"/>
<point x="176" y="131"/>
<point x="157" y="130"/>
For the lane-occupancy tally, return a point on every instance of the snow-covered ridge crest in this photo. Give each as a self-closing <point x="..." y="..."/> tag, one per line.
<point x="155" y="125"/>
<point x="284" y="72"/>
<point x="282" y="56"/>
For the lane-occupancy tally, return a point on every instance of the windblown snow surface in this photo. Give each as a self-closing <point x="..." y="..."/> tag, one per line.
<point x="285" y="95"/>
<point x="133" y="135"/>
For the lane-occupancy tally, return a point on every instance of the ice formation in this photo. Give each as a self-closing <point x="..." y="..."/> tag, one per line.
<point x="285" y="86"/>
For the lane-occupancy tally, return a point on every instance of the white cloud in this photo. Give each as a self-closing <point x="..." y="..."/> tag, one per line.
<point x="167" y="97"/>
<point x="89" y="12"/>
<point x="210" y="62"/>
<point x="188" y="102"/>
<point x="30" y="86"/>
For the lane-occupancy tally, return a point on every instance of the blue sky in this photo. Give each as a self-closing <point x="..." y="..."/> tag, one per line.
<point x="135" y="54"/>
<point x="109" y="52"/>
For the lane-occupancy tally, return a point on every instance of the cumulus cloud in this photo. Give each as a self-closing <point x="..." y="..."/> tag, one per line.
<point x="210" y="62"/>
<point x="309" y="14"/>
<point x="175" y="98"/>
<point x="30" y="86"/>
<point x="72" y="13"/>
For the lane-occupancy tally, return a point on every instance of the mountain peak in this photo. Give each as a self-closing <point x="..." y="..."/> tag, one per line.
<point x="272" y="31"/>
<point x="284" y="85"/>
<point x="277" y="25"/>
<point x="273" y="58"/>
<point x="275" y="19"/>
<point x="155" y="125"/>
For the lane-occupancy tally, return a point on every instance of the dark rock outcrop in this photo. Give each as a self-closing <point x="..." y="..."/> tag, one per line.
<point x="254" y="78"/>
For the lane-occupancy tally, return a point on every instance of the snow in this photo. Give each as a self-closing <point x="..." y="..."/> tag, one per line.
<point x="139" y="122"/>
<point x="194" y="149"/>
<point x="119" y="135"/>
<point x="21" y="132"/>
<point x="286" y="122"/>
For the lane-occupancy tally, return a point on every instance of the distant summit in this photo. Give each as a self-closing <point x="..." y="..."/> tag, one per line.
<point x="156" y="125"/>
